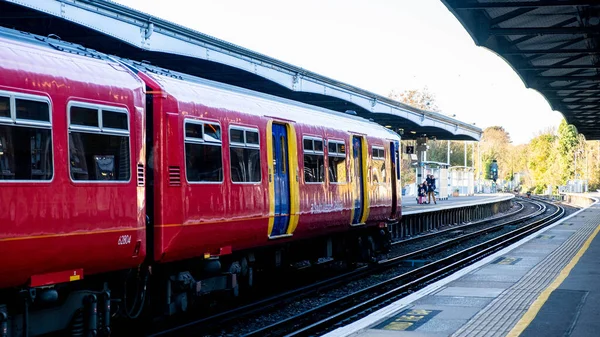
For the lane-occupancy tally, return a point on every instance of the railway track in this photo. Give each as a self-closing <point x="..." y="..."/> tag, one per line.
<point x="364" y="301"/>
<point x="347" y="306"/>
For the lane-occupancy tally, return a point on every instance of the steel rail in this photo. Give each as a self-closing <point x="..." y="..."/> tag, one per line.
<point x="332" y="282"/>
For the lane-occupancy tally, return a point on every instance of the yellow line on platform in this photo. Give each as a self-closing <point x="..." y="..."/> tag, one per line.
<point x="535" y="307"/>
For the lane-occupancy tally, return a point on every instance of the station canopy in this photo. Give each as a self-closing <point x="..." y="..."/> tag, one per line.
<point x="115" y="29"/>
<point x="554" y="46"/>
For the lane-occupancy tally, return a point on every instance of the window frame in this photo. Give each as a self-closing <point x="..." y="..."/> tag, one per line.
<point x="99" y="131"/>
<point x="379" y="148"/>
<point x="337" y="155"/>
<point x="194" y="140"/>
<point x="314" y="152"/>
<point x="14" y="121"/>
<point x="379" y="159"/>
<point x="244" y="145"/>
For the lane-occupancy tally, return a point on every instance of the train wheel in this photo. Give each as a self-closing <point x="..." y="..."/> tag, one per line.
<point x="371" y="249"/>
<point x="247" y="274"/>
<point x="367" y="248"/>
<point x="236" y="270"/>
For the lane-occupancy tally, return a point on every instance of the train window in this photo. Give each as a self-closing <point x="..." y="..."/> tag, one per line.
<point x="203" y="152"/>
<point x="212" y="132"/>
<point x="32" y="110"/>
<point x="4" y="107"/>
<point x="244" y="152"/>
<point x="378" y="166"/>
<point x="318" y="145"/>
<point x="337" y="162"/>
<point x="84" y="116"/>
<point x="251" y="137"/>
<point x="236" y="136"/>
<point x="308" y="144"/>
<point x="332" y="147"/>
<point x="314" y="160"/>
<point x="114" y="120"/>
<point x="25" y="139"/>
<point x="194" y="130"/>
<point x="98" y="143"/>
<point x="378" y="153"/>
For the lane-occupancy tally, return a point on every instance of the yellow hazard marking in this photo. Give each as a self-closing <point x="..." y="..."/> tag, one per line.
<point x="419" y="312"/>
<point x="410" y="318"/>
<point x="398" y="326"/>
<point x="507" y="260"/>
<point x="74" y="278"/>
<point x="528" y="317"/>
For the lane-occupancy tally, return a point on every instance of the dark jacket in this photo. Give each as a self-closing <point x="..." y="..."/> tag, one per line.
<point x="422" y="191"/>
<point x="431" y="184"/>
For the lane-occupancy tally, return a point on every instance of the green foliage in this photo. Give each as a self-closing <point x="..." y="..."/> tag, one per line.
<point x="438" y="151"/>
<point x="487" y="169"/>
<point x="567" y="141"/>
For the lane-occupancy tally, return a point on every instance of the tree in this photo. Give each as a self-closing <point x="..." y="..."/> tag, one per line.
<point x="567" y="141"/>
<point x="438" y="151"/>
<point x="542" y="163"/>
<point x="494" y="141"/>
<point x="418" y="98"/>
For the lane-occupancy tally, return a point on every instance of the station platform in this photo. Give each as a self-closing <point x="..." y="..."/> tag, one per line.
<point x="410" y="205"/>
<point x="544" y="285"/>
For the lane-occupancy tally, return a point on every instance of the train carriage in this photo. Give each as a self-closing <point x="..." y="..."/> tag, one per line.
<point x="114" y="172"/>
<point x="71" y="135"/>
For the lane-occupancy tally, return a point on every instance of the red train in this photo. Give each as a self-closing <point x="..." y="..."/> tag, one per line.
<point x="122" y="183"/>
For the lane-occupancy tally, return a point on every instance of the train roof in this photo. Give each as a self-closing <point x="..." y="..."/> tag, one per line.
<point x="185" y="86"/>
<point x="202" y="91"/>
<point x="43" y="55"/>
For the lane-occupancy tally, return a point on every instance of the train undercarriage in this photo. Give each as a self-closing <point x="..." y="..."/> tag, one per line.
<point x="89" y="307"/>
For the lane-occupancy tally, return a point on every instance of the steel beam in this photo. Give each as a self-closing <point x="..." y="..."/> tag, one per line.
<point x="155" y="35"/>
<point x="544" y="31"/>
<point x="522" y="4"/>
<point x="552" y="51"/>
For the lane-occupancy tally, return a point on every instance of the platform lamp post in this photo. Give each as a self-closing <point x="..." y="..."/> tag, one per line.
<point x="448" y="162"/>
<point x="479" y="167"/>
<point x="465" y="153"/>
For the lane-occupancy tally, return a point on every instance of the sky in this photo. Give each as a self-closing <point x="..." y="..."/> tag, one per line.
<point x="376" y="45"/>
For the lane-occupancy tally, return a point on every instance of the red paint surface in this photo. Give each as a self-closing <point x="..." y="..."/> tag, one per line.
<point x="59" y="225"/>
<point x="196" y="218"/>
<point x="56" y="277"/>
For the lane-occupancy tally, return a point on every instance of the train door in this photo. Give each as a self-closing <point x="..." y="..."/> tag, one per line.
<point x="359" y="191"/>
<point x="281" y="179"/>
<point x="394" y="159"/>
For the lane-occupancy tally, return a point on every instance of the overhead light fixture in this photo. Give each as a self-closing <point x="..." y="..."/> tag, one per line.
<point x="413" y="132"/>
<point x="388" y="126"/>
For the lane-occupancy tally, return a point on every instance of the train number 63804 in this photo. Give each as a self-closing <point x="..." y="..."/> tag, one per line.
<point x="124" y="240"/>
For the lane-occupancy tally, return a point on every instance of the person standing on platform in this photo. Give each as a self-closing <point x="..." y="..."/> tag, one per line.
<point x="431" y="188"/>
<point x="421" y="193"/>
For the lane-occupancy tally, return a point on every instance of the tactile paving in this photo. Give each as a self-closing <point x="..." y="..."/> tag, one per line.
<point x="500" y="316"/>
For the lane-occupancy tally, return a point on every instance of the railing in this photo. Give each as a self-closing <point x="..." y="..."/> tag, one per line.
<point x="416" y="223"/>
